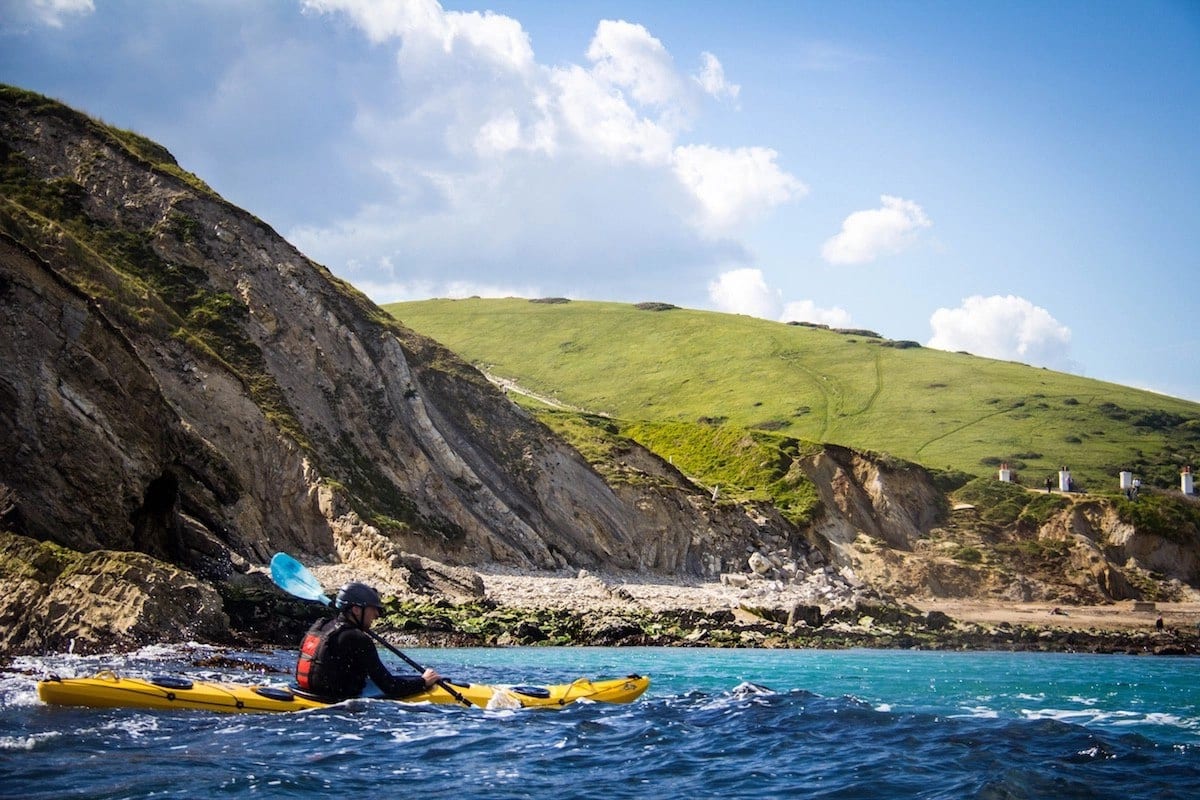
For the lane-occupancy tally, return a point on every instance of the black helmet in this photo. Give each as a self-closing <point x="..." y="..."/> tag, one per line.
<point x="357" y="594"/>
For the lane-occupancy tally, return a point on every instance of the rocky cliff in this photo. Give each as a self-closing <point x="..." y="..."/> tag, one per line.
<point x="177" y="381"/>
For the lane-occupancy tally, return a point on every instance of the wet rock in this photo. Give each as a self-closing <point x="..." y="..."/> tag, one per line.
<point x="938" y="621"/>
<point x="776" y="615"/>
<point x="528" y="632"/>
<point x="103" y="600"/>
<point x="612" y="630"/>
<point x="1171" y="650"/>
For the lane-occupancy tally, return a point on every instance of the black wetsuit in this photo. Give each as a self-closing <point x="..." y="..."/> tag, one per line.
<point x="336" y="658"/>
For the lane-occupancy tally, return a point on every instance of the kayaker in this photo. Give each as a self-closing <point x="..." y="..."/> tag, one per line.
<point x="337" y="656"/>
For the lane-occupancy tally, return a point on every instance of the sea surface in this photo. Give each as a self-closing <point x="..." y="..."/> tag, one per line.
<point x="714" y="723"/>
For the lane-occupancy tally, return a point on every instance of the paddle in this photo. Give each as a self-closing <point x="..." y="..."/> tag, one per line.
<point x="295" y="579"/>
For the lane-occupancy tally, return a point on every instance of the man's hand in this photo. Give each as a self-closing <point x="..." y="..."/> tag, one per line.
<point x="431" y="677"/>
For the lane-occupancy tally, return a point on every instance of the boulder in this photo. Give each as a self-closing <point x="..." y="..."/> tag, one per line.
<point x="938" y="620"/>
<point x="809" y="615"/>
<point x="760" y="564"/>
<point x="60" y="600"/>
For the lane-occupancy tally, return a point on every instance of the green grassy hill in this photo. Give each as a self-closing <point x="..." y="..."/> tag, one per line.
<point x="948" y="411"/>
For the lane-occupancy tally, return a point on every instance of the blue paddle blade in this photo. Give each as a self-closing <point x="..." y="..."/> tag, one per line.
<point x="295" y="579"/>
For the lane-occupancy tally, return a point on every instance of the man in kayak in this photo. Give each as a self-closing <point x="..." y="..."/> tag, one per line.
<point x="337" y="656"/>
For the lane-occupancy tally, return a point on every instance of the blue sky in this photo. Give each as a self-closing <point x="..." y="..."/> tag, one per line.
<point x="1014" y="179"/>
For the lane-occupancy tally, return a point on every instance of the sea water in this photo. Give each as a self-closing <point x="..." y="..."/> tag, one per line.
<point x="714" y="723"/>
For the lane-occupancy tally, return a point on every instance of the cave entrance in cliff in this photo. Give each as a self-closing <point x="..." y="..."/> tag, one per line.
<point x="155" y="523"/>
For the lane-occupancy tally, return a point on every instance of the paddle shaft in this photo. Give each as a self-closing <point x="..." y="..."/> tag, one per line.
<point x="442" y="683"/>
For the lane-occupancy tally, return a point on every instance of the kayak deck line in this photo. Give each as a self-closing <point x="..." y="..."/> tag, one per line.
<point x="107" y="689"/>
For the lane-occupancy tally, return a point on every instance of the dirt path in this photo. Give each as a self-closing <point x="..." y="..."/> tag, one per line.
<point x="514" y="387"/>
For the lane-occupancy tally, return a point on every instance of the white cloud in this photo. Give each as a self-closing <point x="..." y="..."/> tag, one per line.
<point x="603" y="123"/>
<point x="733" y="186"/>
<point x="808" y="311"/>
<point x="498" y="166"/>
<point x="1009" y="328"/>
<point x="712" y="78"/>
<point x="403" y="291"/>
<point x="745" y="291"/>
<point x="51" y="13"/>
<point x="866" y="235"/>
<point x="426" y="28"/>
<point x="626" y="56"/>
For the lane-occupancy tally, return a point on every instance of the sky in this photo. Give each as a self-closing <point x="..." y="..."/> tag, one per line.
<point x="1014" y="179"/>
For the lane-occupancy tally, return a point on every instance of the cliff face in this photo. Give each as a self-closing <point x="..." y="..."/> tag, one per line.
<point x="176" y="379"/>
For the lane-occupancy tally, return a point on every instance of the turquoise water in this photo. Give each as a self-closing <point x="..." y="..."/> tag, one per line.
<point x="715" y="723"/>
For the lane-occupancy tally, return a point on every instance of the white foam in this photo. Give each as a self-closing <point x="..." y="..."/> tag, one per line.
<point x="18" y="690"/>
<point x="1072" y="715"/>
<point x="1117" y="718"/>
<point x="977" y="712"/>
<point x="135" y="726"/>
<point x="26" y="742"/>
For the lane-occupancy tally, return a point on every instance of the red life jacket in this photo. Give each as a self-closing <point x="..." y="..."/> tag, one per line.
<point x="308" y="654"/>
<point x="314" y="673"/>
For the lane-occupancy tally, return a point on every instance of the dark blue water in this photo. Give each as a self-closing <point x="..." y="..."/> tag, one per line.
<point x="846" y="724"/>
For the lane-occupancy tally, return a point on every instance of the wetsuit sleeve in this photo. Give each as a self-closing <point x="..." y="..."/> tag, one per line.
<point x="391" y="685"/>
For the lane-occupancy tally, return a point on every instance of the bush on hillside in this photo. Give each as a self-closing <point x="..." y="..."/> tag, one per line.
<point x="998" y="502"/>
<point x="1171" y="516"/>
<point x="1157" y="420"/>
<point x="1040" y="508"/>
<point x="948" y="480"/>
<point x="1112" y="411"/>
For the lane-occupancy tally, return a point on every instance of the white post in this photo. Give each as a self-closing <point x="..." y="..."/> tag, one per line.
<point x="1185" y="481"/>
<point x="1005" y="473"/>
<point x="1126" y="480"/>
<point x="1064" y="480"/>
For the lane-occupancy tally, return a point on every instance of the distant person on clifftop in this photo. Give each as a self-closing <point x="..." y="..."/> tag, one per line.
<point x="337" y="656"/>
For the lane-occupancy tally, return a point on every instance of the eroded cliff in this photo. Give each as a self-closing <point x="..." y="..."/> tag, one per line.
<point x="177" y="379"/>
<point x="180" y="383"/>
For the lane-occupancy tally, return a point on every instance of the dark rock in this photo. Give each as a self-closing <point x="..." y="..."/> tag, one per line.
<point x="809" y="615"/>
<point x="937" y="621"/>
<point x="528" y="632"/>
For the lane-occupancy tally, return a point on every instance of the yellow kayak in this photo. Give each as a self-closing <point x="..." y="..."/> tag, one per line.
<point x="106" y="689"/>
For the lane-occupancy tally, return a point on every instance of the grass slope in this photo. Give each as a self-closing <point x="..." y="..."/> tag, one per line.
<point x="943" y="410"/>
